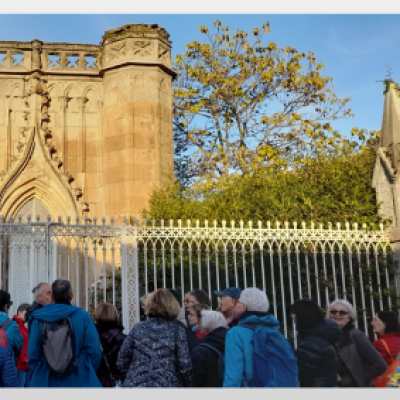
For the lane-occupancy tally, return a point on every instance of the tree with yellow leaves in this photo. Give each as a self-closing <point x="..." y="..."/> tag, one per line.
<point x="240" y="103"/>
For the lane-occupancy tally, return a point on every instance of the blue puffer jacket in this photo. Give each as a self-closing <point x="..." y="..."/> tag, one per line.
<point x="8" y="371"/>
<point x="87" y="348"/>
<point x="239" y="348"/>
<point x="14" y="337"/>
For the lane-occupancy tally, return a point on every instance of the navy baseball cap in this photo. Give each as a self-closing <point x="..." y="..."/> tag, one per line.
<point x="233" y="292"/>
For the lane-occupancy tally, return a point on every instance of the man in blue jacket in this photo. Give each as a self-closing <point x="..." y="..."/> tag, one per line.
<point x="87" y="344"/>
<point x="14" y="337"/>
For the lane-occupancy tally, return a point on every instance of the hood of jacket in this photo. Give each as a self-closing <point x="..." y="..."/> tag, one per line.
<point x="216" y="338"/>
<point x="54" y="312"/>
<point x="259" y="318"/>
<point x="327" y="329"/>
<point x="3" y="317"/>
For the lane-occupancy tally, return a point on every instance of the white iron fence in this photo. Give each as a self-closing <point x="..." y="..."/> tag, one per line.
<point x="120" y="263"/>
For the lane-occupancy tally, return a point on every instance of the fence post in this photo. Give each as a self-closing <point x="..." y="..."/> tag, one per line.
<point x="124" y="281"/>
<point x="395" y="245"/>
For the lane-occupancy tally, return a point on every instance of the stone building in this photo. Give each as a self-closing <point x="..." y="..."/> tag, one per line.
<point x="85" y="130"/>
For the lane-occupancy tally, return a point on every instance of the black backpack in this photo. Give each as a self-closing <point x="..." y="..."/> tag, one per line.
<point x="58" y="345"/>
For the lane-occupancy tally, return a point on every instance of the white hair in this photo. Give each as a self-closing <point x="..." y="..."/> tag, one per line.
<point x="345" y="303"/>
<point x="211" y="320"/>
<point x="255" y="300"/>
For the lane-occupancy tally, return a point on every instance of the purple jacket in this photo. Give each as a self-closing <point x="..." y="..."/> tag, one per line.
<point x="111" y="338"/>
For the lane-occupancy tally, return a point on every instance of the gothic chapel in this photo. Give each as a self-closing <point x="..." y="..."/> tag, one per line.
<point x="85" y="130"/>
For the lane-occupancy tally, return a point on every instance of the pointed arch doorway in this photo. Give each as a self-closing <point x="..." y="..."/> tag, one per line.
<point x="35" y="208"/>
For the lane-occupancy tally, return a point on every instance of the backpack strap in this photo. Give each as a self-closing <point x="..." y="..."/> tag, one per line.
<point x="75" y="360"/>
<point x="388" y="350"/>
<point x="212" y="348"/>
<point x="107" y="364"/>
<point x="6" y="323"/>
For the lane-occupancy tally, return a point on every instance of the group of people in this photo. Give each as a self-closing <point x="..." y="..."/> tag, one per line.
<point x="53" y="343"/>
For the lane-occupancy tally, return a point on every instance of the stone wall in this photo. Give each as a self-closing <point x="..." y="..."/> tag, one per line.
<point x="86" y="129"/>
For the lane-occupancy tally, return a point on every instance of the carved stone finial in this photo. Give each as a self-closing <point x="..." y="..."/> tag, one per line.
<point x="36" y="52"/>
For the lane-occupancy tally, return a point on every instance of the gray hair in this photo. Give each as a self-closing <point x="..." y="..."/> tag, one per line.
<point x="211" y="320"/>
<point x="37" y="290"/>
<point x="61" y="289"/>
<point x="345" y="303"/>
<point x="255" y="300"/>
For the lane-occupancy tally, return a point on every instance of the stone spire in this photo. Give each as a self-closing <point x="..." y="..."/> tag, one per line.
<point x="390" y="132"/>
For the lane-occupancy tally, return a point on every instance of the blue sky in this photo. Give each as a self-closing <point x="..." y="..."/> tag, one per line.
<point x="354" y="48"/>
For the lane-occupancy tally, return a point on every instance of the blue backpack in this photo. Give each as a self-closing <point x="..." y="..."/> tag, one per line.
<point x="274" y="361"/>
<point x="221" y="359"/>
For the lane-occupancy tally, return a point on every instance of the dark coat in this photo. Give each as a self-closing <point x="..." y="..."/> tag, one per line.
<point x="191" y="337"/>
<point x="362" y="361"/>
<point x="8" y="372"/>
<point x="111" y="339"/>
<point x="33" y="307"/>
<point x="316" y="355"/>
<point x="156" y="354"/>
<point x="205" y="360"/>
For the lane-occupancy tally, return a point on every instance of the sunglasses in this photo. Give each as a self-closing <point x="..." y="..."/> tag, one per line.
<point x="342" y="313"/>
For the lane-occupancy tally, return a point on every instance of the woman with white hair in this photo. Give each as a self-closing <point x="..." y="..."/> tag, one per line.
<point x="359" y="361"/>
<point x="206" y="355"/>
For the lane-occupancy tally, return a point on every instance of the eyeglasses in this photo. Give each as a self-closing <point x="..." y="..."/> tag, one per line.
<point x="342" y="313"/>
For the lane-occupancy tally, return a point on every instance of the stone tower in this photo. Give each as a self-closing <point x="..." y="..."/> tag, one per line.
<point x="85" y="130"/>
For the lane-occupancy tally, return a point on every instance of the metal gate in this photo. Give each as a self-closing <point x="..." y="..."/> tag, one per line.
<point x="119" y="263"/>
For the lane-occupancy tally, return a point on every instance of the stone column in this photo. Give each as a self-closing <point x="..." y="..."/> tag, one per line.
<point x="137" y="116"/>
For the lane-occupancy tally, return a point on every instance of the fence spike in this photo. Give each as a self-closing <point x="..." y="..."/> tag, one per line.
<point x="112" y="220"/>
<point x="278" y="224"/>
<point x="338" y="225"/>
<point x="241" y="224"/>
<point x="286" y="224"/>
<point x="215" y="223"/>
<point x="355" y="226"/>
<point x="11" y="218"/>
<point x="37" y="218"/>
<point x="2" y="219"/>
<point x="206" y="223"/>
<point x="86" y="220"/>
<point x="103" y="220"/>
<point x="250" y="224"/>
<point x="179" y="223"/>
<point x="312" y="225"/>
<point x="134" y="220"/>
<point x="189" y="223"/>
<point x="321" y="226"/>
<point x="303" y="224"/>
<point x="162" y="223"/>
<point x="94" y="220"/>
<point x="364" y="225"/>
<point x="59" y="219"/>
<point x="223" y="223"/>
<point x="347" y="225"/>
<point x="48" y="218"/>
<point x="329" y="225"/>
<point x="197" y="223"/>
<point x="153" y="222"/>
<point x="76" y="220"/>
<point x="269" y="224"/>
<point x="29" y="218"/>
<point x="259" y="224"/>
<point x="124" y="221"/>
<point x="381" y="226"/>
<point x="295" y="224"/>
<point x="232" y="223"/>
<point x="19" y="218"/>
<point x="171" y="223"/>
<point x="144" y="221"/>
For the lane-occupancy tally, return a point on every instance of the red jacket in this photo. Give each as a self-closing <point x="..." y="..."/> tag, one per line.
<point x="22" y="360"/>
<point x="393" y="342"/>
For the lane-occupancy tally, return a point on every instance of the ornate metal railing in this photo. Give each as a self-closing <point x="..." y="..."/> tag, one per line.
<point x="119" y="263"/>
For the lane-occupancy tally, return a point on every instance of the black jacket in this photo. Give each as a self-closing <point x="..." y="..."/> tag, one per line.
<point x="111" y="339"/>
<point x="205" y="360"/>
<point x="33" y="307"/>
<point x="359" y="359"/>
<point x="316" y="355"/>
<point x="192" y="339"/>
